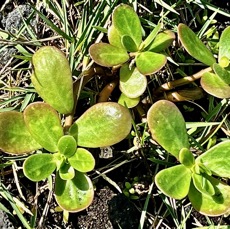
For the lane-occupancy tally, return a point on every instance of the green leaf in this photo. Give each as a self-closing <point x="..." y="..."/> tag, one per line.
<point x="203" y="185"/>
<point x="174" y="181"/>
<point x="14" y="136"/>
<point x="132" y="82"/>
<point x="127" y="22"/>
<point x="129" y="43"/>
<point x="194" y="45"/>
<point x="150" y="38"/>
<point x="44" y="125"/>
<point x="216" y="205"/>
<point x="222" y="73"/>
<point x="52" y="78"/>
<point x="108" y="55"/>
<point x="217" y="159"/>
<point x="102" y="125"/>
<point x="39" y="166"/>
<point x="162" y="41"/>
<point x="215" y="86"/>
<point x="66" y="172"/>
<point x="150" y="62"/>
<point x="67" y="145"/>
<point x="186" y="158"/>
<point x="82" y="160"/>
<point x="167" y="126"/>
<point x="128" y="102"/>
<point x="224" y="48"/>
<point x="114" y="37"/>
<point x="76" y="194"/>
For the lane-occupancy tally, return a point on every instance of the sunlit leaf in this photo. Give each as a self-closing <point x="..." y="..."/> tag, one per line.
<point x="114" y="37"/>
<point x="222" y="73"/>
<point x="103" y="124"/>
<point x="127" y="22"/>
<point x="162" y="41"/>
<point x="132" y="82"/>
<point x="214" y="85"/>
<point x="76" y="194"/>
<point x="52" y="78"/>
<point x="203" y="184"/>
<point x="14" y="135"/>
<point x="82" y="160"/>
<point x="174" y="181"/>
<point x="194" y="45"/>
<point x="44" y="125"/>
<point x="167" y="126"/>
<point x="108" y="55"/>
<point x="39" y="166"/>
<point x="150" y="62"/>
<point x="128" y="102"/>
<point x="66" y="172"/>
<point x="216" y="205"/>
<point x="217" y="159"/>
<point x="67" y="145"/>
<point x="224" y="48"/>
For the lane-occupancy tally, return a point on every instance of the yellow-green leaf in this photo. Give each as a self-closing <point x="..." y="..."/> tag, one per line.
<point x="108" y="55"/>
<point x="14" y="135"/>
<point x="150" y="62"/>
<point x="103" y="124"/>
<point x="194" y="46"/>
<point x="44" y="125"/>
<point x="215" y="86"/>
<point x="52" y="78"/>
<point x="132" y="82"/>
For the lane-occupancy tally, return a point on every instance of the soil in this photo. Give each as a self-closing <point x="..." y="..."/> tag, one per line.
<point x="110" y="209"/>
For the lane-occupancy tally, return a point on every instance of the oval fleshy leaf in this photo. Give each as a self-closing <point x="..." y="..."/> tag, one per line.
<point x="215" y="86"/>
<point x="38" y="167"/>
<point x="150" y="62"/>
<point x="132" y="82"/>
<point x="114" y="37"/>
<point x="102" y="125"/>
<point x="76" y="194"/>
<point x="167" y="126"/>
<point x="52" y="78"/>
<point x="128" y="102"/>
<point x="150" y="38"/>
<point x="217" y="159"/>
<point x="222" y="73"/>
<point x="127" y="22"/>
<point x="82" y="160"/>
<point x="203" y="185"/>
<point x="162" y="41"/>
<point x="108" y="55"/>
<point x="14" y="135"/>
<point x="194" y="45"/>
<point x="174" y="181"/>
<point x="66" y="172"/>
<point x="224" y="48"/>
<point x="216" y="205"/>
<point x="186" y="158"/>
<point x="44" y="125"/>
<point x="129" y="43"/>
<point x="67" y="145"/>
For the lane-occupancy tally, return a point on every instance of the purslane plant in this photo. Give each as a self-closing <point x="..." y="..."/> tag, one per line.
<point x="198" y="178"/>
<point x="40" y="127"/>
<point x="137" y="58"/>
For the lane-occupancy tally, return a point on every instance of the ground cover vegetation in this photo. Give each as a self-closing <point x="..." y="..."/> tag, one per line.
<point x="114" y="114"/>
